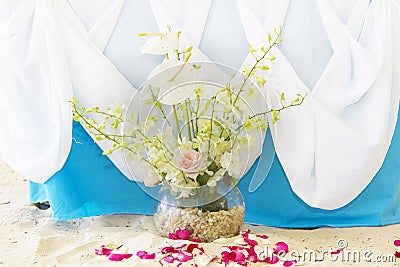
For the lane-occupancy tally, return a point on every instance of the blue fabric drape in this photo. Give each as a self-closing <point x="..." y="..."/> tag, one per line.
<point x="89" y="184"/>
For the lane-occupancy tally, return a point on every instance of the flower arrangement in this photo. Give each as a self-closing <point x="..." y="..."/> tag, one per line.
<point x="205" y="129"/>
<point x="195" y="128"/>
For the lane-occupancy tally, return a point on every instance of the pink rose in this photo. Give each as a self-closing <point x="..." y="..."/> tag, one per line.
<point x="189" y="162"/>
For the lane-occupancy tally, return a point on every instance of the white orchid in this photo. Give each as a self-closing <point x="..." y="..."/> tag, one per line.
<point x="161" y="43"/>
<point x="231" y="162"/>
<point x="218" y="175"/>
<point x="175" y="79"/>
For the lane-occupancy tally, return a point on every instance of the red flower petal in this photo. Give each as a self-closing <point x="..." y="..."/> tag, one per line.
<point x="191" y="247"/>
<point x="179" y="235"/>
<point x="262" y="236"/>
<point x="172" y="249"/>
<point x="182" y="257"/>
<point x="248" y="240"/>
<point x="119" y="257"/>
<point x="289" y="263"/>
<point x="281" y="248"/>
<point x="169" y="259"/>
<point x="337" y="251"/>
<point x="195" y="240"/>
<point x="397" y="254"/>
<point x="183" y="234"/>
<point x="235" y="256"/>
<point x="272" y="260"/>
<point x="397" y="242"/>
<point x="103" y="250"/>
<point x="144" y="255"/>
<point x="252" y="257"/>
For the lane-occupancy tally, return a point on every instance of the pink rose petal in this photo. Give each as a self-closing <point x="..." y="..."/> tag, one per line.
<point x="191" y="247"/>
<point x="337" y="251"/>
<point x="182" y="257"/>
<point x="172" y="249"/>
<point x="252" y="257"/>
<point x="235" y="256"/>
<point x="179" y="235"/>
<point x="397" y="242"/>
<point x="169" y="259"/>
<point x="281" y="248"/>
<point x="249" y="241"/>
<point x="262" y="236"/>
<point x="183" y="234"/>
<point x="103" y="250"/>
<point x="119" y="257"/>
<point x="144" y="255"/>
<point x="272" y="260"/>
<point x="289" y="263"/>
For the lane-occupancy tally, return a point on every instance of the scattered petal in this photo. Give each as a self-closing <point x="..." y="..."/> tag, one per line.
<point x="191" y="247"/>
<point x="281" y="248"/>
<point x="183" y="257"/>
<point x="397" y="254"/>
<point x="179" y="235"/>
<point x="172" y="249"/>
<point x="119" y="257"/>
<point x="289" y="263"/>
<point x="103" y="250"/>
<point x="183" y="234"/>
<point x="262" y="236"/>
<point x="397" y="242"/>
<point x="272" y="260"/>
<point x="144" y="255"/>
<point x="249" y="241"/>
<point x="337" y="251"/>
<point x="169" y="259"/>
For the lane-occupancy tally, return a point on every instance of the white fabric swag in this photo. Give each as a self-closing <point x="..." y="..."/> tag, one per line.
<point x="330" y="147"/>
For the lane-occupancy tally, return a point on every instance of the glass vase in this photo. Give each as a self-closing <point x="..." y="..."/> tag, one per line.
<point x="207" y="212"/>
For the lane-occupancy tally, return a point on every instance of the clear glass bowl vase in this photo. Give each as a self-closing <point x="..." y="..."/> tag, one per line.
<point x="208" y="213"/>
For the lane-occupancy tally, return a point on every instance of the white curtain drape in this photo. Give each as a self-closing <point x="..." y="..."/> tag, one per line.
<point x="330" y="147"/>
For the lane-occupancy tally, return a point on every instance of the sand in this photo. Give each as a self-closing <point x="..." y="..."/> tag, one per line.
<point x="30" y="237"/>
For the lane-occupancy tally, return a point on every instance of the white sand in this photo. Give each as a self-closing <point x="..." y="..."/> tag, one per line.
<point x="29" y="236"/>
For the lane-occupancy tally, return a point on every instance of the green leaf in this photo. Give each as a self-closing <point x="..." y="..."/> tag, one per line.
<point x="264" y="67"/>
<point x="203" y="179"/>
<point x="99" y="137"/>
<point x="275" y="117"/>
<point x="76" y="117"/>
<point x="272" y="58"/>
<point x="107" y="153"/>
<point x="251" y="49"/>
<point x="190" y="48"/>
<point x="261" y="80"/>
<point x="114" y="124"/>
<point x="269" y="38"/>
<point x="283" y="96"/>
